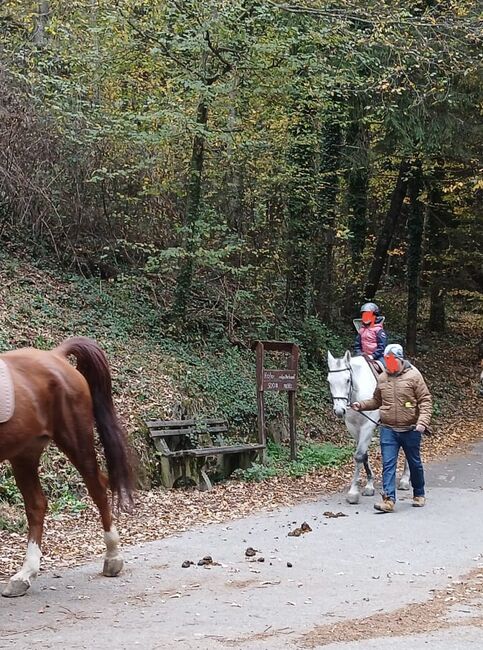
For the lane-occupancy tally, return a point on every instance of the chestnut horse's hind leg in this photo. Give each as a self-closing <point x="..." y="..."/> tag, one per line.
<point x="96" y="482"/>
<point x="25" y="470"/>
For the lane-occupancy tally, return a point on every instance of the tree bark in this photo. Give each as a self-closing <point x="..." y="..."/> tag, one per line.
<point x="323" y="255"/>
<point x="358" y="181"/>
<point x="299" y="206"/>
<point x="438" y="219"/>
<point x="234" y="175"/>
<point x="38" y="36"/>
<point x="357" y="145"/>
<point x="415" y="239"/>
<point x="387" y="232"/>
<point x="185" y="276"/>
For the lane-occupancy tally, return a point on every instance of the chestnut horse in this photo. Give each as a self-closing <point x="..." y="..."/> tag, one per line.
<point x="55" y="401"/>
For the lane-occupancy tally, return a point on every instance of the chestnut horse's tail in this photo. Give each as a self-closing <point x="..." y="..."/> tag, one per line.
<point x="92" y="363"/>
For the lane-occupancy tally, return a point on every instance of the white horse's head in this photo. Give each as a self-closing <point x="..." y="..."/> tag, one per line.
<point x="340" y="382"/>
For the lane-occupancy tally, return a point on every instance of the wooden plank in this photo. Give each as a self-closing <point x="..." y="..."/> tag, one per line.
<point x="167" y="453"/>
<point x="170" y="423"/>
<point x="171" y="432"/>
<point x="216" y="429"/>
<point x="215" y="451"/>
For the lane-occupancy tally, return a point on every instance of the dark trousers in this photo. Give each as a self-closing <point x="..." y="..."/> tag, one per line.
<point x="391" y="443"/>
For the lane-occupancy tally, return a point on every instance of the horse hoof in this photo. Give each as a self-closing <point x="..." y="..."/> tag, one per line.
<point x="353" y="498"/>
<point x="112" y="566"/>
<point x="404" y="485"/>
<point x="368" y="492"/>
<point x="16" y="588"/>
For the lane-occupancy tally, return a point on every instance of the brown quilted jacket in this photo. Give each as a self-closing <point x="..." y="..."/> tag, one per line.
<point x="403" y="399"/>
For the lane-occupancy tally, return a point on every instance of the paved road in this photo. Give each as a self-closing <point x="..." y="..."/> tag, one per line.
<point x="349" y="579"/>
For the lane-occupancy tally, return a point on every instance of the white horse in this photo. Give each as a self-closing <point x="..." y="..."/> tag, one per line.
<point x="351" y="380"/>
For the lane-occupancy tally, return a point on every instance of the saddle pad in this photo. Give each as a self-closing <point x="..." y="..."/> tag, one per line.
<point x="7" y="393"/>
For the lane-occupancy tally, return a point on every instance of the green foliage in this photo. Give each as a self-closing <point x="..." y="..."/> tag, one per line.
<point x="8" y="489"/>
<point x="315" y="339"/>
<point x="311" y="457"/>
<point x="66" y="500"/>
<point x="436" y="408"/>
<point x="60" y="481"/>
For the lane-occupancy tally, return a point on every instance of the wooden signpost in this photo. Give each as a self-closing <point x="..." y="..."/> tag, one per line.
<point x="278" y="380"/>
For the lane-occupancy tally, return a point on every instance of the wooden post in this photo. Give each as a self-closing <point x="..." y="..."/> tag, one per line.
<point x="292" y="425"/>
<point x="293" y="364"/>
<point x="262" y="432"/>
<point x="277" y="380"/>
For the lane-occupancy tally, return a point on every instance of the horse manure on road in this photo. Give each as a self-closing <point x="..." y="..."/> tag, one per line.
<point x="250" y="552"/>
<point x="304" y="528"/>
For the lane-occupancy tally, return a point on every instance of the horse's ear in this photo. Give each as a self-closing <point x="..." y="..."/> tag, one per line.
<point x="330" y="358"/>
<point x="347" y="357"/>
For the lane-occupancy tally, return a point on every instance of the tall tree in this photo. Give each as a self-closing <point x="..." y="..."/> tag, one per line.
<point x="39" y="36"/>
<point x="387" y="231"/>
<point x="323" y="250"/>
<point x="415" y="238"/>
<point x="438" y="220"/>
<point x="300" y="207"/>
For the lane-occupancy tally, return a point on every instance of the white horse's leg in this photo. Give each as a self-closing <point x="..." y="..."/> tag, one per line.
<point x="369" y="490"/>
<point x="353" y="495"/>
<point x="365" y="436"/>
<point x="362" y="431"/>
<point x="405" y="480"/>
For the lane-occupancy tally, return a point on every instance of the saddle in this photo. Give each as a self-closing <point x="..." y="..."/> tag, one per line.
<point x="376" y="367"/>
<point x="7" y="393"/>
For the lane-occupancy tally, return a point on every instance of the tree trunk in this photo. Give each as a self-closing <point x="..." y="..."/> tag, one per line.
<point x="234" y="186"/>
<point x="185" y="276"/>
<point x="38" y="36"/>
<point x="387" y="232"/>
<point x="96" y="94"/>
<point x="358" y="181"/>
<point x="323" y="254"/>
<point x="437" y="308"/>
<point x="357" y="143"/>
<point x="415" y="239"/>
<point x="438" y="219"/>
<point x="299" y="205"/>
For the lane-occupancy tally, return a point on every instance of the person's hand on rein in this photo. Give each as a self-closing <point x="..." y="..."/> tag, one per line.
<point x="356" y="406"/>
<point x="420" y="428"/>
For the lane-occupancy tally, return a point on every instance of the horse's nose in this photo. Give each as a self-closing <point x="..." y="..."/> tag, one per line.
<point x="339" y="411"/>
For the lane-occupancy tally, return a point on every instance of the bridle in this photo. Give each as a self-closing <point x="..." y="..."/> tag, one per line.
<point x="351" y="383"/>
<point x="349" y="394"/>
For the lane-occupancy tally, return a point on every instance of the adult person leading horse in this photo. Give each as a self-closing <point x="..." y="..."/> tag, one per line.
<point x="405" y="406"/>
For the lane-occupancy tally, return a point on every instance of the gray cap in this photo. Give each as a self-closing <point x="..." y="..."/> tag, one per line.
<point x="395" y="349"/>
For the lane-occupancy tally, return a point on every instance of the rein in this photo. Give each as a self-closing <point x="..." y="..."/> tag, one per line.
<point x="348" y="397"/>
